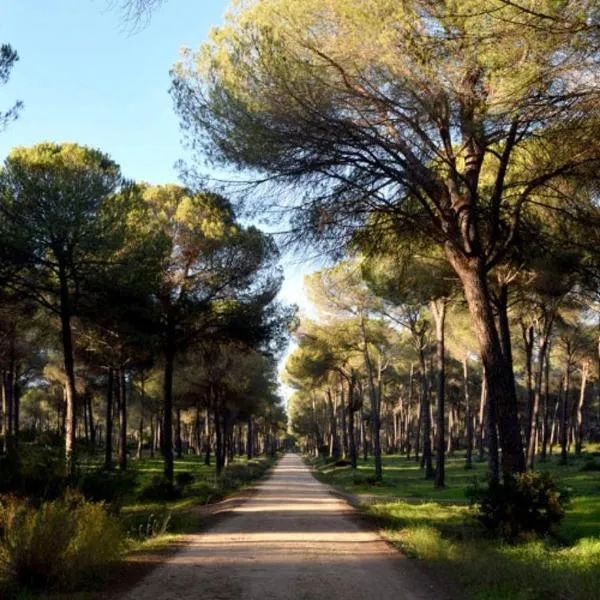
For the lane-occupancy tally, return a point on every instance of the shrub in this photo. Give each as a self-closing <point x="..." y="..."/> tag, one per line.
<point x="160" y="490"/>
<point x="529" y="503"/>
<point x="591" y="464"/>
<point x="36" y="472"/>
<point x="110" y="487"/>
<point x="184" y="479"/>
<point x="58" y="545"/>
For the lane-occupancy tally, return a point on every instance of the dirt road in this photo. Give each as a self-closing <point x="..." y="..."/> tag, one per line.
<point x="291" y="540"/>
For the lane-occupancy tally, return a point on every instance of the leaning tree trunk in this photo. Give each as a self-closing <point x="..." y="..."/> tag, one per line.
<point x="502" y="398"/>
<point x="438" y="310"/>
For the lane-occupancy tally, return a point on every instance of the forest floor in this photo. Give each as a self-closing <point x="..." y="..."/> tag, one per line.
<point x="290" y="539"/>
<point x="439" y="527"/>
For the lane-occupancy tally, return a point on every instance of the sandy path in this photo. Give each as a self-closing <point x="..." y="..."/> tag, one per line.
<point x="290" y="540"/>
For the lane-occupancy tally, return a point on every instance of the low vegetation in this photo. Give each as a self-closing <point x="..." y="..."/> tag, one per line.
<point x="442" y="528"/>
<point x="69" y="536"/>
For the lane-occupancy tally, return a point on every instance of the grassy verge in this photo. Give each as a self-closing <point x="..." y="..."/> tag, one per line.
<point x="147" y="521"/>
<point x="439" y="527"/>
<point x="146" y="527"/>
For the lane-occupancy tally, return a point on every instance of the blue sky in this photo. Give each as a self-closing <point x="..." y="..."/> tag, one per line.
<point x="85" y="77"/>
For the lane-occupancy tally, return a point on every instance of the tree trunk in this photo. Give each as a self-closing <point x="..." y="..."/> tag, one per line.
<point x="123" y="419"/>
<point x="374" y="399"/>
<point x="502" y="398"/>
<point x="167" y="426"/>
<point x="482" y="418"/>
<point x="535" y="406"/>
<point x="178" y="442"/>
<point x="438" y="310"/>
<point x="469" y="415"/>
<point x="109" y="421"/>
<point x="564" y="415"/>
<point x="546" y="435"/>
<point x="528" y="340"/>
<point x="69" y="363"/>
<point x="579" y="422"/>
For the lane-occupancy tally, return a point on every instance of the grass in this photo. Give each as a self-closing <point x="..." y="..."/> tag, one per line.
<point x="438" y="526"/>
<point x="205" y="488"/>
<point x="151" y="527"/>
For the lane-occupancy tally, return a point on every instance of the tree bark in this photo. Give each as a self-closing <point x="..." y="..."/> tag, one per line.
<point x="69" y="364"/>
<point x="438" y="310"/>
<point x="374" y="399"/>
<point x="469" y="414"/>
<point x="579" y="422"/>
<point x="167" y="426"/>
<point x="123" y="419"/>
<point x="502" y="398"/>
<point x="109" y="422"/>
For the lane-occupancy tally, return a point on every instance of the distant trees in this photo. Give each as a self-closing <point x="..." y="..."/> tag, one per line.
<point x="59" y="230"/>
<point x="406" y="118"/>
<point x="133" y="286"/>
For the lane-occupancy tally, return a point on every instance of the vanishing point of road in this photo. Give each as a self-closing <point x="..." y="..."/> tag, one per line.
<point x="290" y="540"/>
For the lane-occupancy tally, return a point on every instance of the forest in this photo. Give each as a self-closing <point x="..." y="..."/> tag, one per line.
<point x="439" y="162"/>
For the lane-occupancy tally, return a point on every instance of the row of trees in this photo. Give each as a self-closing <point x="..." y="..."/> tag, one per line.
<point x="129" y="303"/>
<point x="395" y="368"/>
<point x="405" y="125"/>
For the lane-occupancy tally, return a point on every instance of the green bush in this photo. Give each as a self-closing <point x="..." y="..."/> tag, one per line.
<point x="35" y="471"/>
<point x="110" y="487"/>
<point x="59" y="545"/>
<point x="160" y="490"/>
<point x="530" y="503"/>
<point x="184" y="479"/>
<point x="591" y="464"/>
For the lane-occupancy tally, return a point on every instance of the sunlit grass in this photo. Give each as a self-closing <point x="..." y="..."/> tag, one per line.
<point x="438" y="526"/>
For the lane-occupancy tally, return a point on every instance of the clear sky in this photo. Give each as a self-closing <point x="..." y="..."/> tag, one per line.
<point x="85" y="77"/>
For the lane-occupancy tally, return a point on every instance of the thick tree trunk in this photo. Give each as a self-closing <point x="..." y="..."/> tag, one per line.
<point x="502" y="398"/>
<point x="438" y="310"/>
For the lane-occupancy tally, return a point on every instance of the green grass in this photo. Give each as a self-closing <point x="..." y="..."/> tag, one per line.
<point x="438" y="526"/>
<point x="205" y="488"/>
